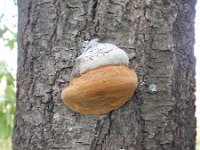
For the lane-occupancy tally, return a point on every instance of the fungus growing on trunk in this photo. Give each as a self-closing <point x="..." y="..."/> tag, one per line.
<point x="100" y="81"/>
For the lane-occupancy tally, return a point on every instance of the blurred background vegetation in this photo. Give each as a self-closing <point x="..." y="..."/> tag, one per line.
<point x="8" y="37"/>
<point x="7" y="93"/>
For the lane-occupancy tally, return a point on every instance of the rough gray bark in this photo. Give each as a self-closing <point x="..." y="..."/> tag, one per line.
<point x="158" y="36"/>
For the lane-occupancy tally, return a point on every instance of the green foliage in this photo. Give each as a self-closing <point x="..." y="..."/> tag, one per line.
<point x="9" y="42"/>
<point x="8" y="37"/>
<point x="7" y="94"/>
<point x="7" y="102"/>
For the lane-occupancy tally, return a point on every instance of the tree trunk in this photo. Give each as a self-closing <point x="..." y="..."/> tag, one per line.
<point x="158" y="36"/>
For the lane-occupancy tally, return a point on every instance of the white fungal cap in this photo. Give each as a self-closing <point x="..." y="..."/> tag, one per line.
<point x="99" y="54"/>
<point x="91" y="44"/>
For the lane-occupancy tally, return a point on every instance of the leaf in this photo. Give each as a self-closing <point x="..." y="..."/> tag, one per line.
<point x="5" y="130"/>
<point x="2" y="74"/>
<point x="10" y="79"/>
<point x="10" y="43"/>
<point x="3" y="31"/>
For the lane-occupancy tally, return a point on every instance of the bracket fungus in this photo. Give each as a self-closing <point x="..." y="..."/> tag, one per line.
<point x="100" y="80"/>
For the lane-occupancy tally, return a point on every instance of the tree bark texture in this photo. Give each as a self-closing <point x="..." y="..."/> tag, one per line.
<point x="158" y="36"/>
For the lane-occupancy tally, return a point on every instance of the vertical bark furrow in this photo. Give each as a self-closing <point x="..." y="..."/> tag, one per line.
<point x="184" y="80"/>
